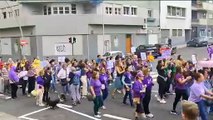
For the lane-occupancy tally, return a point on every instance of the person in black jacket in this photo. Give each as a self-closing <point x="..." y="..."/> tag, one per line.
<point x="47" y="80"/>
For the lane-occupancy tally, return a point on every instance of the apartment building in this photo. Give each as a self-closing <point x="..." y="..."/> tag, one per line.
<point x="48" y="25"/>
<point x="202" y="18"/>
<point x="175" y="21"/>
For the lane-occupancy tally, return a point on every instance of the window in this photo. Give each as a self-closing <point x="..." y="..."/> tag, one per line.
<point x="150" y="13"/>
<point x="73" y="9"/>
<point x="61" y="10"/>
<point x="4" y="15"/>
<point x="55" y="10"/>
<point x="116" y="11"/>
<point x="10" y="14"/>
<point x="176" y="11"/>
<point x="134" y="11"/>
<point x="45" y="10"/>
<point x="173" y="11"/>
<point x="16" y="12"/>
<point x="183" y="12"/>
<point x="180" y="32"/>
<point x="119" y="11"/>
<point x="67" y="10"/>
<point x="174" y="32"/>
<point x="169" y="10"/>
<point x="126" y="10"/>
<point x="49" y="11"/>
<point x="108" y="10"/>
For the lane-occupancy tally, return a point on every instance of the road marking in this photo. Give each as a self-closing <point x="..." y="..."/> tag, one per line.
<point x="115" y="117"/>
<point x="79" y="113"/>
<point x="28" y="114"/>
<point x="154" y="91"/>
<point x="27" y="118"/>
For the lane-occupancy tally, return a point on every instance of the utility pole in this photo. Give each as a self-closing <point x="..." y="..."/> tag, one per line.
<point x="20" y="28"/>
<point x="72" y="41"/>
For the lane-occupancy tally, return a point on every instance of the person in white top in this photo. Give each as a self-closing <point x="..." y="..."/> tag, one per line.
<point x="62" y="76"/>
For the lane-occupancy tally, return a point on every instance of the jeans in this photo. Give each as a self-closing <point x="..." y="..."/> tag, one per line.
<point x="128" y="93"/>
<point x="14" y="89"/>
<point x="31" y="84"/>
<point x="65" y="88"/>
<point x="75" y="92"/>
<point x="53" y="82"/>
<point x="24" y="85"/>
<point x="46" y="92"/>
<point x="98" y="103"/>
<point x="203" y="110"/>
<point x="179" y="93"/>
<point x="146" y="101"/>
<point x="105" y="94"/>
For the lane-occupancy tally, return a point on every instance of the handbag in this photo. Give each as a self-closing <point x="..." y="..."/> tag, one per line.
<point x="89" y="97"/>
<point x="136" y="100"/>
<point x="34" y="93"/>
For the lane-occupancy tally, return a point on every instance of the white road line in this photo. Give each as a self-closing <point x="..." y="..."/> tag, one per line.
<point x="154" y="91"/>
<point x="115" y="117"/>
<point x="27" y="118"/>
<point x="37" y="111"/>
<point x="63" y="105"/>
<point x="79" y="113"/>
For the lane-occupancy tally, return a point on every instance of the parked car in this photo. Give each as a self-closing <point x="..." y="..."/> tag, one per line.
<point x="162" y="47"/>
<point x="197" y="42"/>
<point x="146" y="49"/>
<point x="113" y="54"/>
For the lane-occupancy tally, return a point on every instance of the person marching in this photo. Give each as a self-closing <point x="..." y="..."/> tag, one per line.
<point x="104" y="77"/>
<point x="40" y="88"/>
<point x="138" y="94"/>
<point x="127" y="81"/>
<point x="148" y="81"/>
<point x="95" y="88"/>
<point x="14" y="79"/>
<point x="180" y="88"/>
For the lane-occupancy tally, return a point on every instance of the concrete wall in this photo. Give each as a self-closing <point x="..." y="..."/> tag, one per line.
<point x="168" y="22"/>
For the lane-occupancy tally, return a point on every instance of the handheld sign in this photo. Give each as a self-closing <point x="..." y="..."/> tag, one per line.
<point x="194" y="59"/>
<point x="143" y="56"/>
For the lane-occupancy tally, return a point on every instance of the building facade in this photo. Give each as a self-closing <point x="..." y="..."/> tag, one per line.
<point x="175" y="21"/>
<point x="202" y="18"/>
<point x="97" y="28"/>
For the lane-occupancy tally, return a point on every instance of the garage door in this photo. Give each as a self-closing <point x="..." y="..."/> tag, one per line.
<point x="153" y="39"/>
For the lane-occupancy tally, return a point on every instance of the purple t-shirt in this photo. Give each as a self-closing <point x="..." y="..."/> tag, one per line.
<point x="178" y="85"/>
<point x="148" y="82"/>
<point x="96" y="84"/>
<point x="137" y="87"/>
<point x="104" y="79"/>
<point x="196" y="90"/>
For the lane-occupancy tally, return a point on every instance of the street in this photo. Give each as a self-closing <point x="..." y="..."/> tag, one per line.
<point x="25" y="108"/>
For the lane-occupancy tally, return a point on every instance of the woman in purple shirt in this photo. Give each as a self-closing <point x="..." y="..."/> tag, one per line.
<point x="40" y="88"/>
<point x="138" y="94"/>
<point x="180" y="88"/>
<point x="199" y="93"/>
<point x="95" y="87"/>
<point x="148" y="81"/>
<point x="104" y="77"/>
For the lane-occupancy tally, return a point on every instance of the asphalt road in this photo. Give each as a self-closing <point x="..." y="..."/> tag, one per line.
<point x="115" y="109"/>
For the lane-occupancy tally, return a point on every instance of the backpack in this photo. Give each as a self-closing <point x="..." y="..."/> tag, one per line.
<point x="76" y="80"/>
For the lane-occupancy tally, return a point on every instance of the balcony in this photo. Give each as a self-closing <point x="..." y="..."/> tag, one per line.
<point x="150" y="19"/>
<point x="202" y="6"/>
<point x="202" y="21"/>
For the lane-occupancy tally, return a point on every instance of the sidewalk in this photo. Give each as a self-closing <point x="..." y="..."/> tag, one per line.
<point x="4" y="116"/>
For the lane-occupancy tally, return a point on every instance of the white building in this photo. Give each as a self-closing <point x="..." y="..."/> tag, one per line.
<point x="175" y="21"/>
<point x="48" y="25"/>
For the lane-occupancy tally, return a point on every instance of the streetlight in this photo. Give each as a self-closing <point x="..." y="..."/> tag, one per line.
<point x="20" y="28"/>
